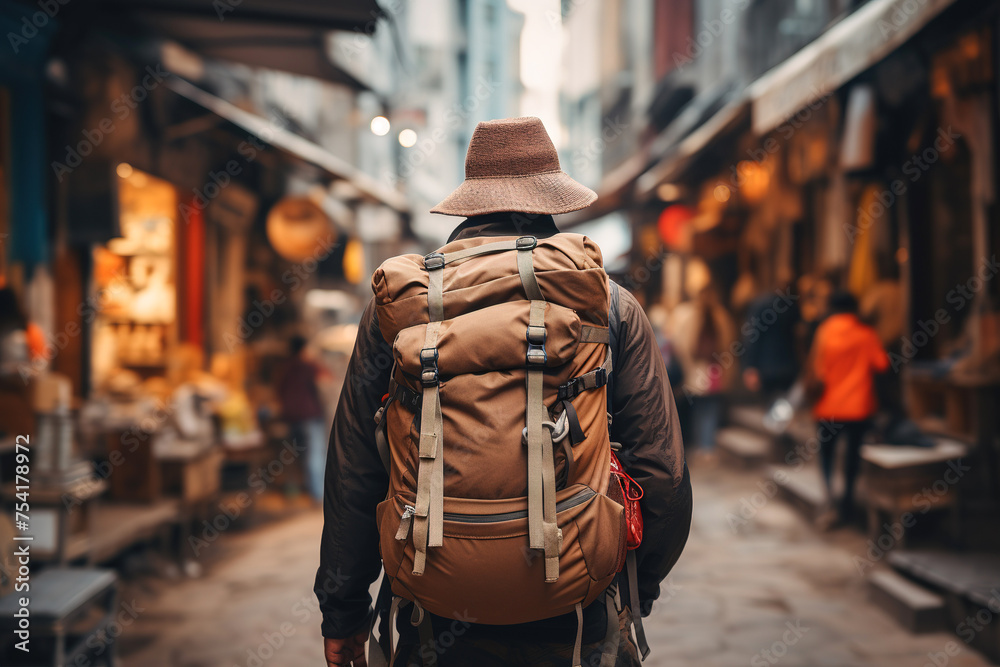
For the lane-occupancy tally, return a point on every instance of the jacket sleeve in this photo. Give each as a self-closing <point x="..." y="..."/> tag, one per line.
<point x="644" y="421"/>
<point x="356" y="482"/>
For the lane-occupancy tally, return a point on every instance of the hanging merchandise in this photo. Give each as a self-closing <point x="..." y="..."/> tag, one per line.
<point x="863" y="273"/>
<point x="299" y="230"/>
<point x="857" y="151"/>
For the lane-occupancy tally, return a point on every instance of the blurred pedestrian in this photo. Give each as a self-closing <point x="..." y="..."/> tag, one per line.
<point x="302" y="409"/>
<point x="770" y="366"/>
<point x="513" y="188"/>
<point x="703" y="332"/>
<point x="845" y="358"/>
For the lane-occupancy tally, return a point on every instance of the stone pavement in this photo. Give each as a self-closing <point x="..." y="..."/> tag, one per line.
<point x="755" y="588"/>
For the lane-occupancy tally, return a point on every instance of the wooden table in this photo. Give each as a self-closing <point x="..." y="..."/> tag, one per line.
<point x="900" y="479"/>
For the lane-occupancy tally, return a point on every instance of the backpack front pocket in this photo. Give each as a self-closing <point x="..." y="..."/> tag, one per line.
<point x="486" y="548"/>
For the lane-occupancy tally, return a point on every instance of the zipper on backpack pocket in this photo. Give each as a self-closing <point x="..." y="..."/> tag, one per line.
<point x="578" y="498"/>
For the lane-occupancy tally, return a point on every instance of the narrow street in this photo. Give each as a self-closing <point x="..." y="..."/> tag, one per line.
<point x="766" y="592"/>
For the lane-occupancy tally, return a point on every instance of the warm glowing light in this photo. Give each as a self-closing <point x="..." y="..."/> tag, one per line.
<point x="124" y="170"/>
<point x="380" y="125"/>
<point x="754" y="180"/>
<point x="902" y="255"/>
<point x="407" y="138"/>
<point x="668" y="192"/>
<point x="722" y="193"/>
<point x="354" y="262"/>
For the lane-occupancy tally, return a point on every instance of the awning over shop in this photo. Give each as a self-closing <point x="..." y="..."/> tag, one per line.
<point x="292" y="144"/>
<point x="287" y="35"/>
<point x="321" y="14"/>
<point x="618" y="185"/>
<point x="611" y="195"/>
<point x="292" y="49"/>
<point x="848" y="48"/>
<point x="677" y="159"/>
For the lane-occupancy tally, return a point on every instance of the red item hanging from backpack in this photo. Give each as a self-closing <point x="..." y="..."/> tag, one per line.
<point x="632" y="493"/>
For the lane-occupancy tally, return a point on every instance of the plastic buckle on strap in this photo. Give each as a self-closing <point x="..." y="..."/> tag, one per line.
<point x="568" y="390"/>
<point x="536" y="337"/>
<point x="601" y="376"/>
<point x="408" y="398"/>
<point x="526" y="243"/>
<point x="428" y="361"/>
<point x="434" y="260"/>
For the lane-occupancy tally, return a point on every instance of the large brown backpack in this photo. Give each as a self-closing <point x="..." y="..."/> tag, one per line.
<point x="495" y="430"/>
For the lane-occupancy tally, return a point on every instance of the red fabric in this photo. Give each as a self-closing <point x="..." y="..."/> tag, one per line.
<point x="847" y="355"/>
<point x="194" y="274"/>
<point x="632" y="493"/>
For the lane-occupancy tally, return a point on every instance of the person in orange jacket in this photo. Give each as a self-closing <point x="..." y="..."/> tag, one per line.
<point x="847" y="354"/>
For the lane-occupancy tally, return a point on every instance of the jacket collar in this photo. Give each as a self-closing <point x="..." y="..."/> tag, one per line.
<point x="505" y="224"/>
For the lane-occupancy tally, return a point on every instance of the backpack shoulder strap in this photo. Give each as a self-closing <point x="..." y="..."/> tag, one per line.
<point x="614" y="329"/>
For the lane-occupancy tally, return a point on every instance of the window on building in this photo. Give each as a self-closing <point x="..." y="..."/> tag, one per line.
<point x="672" y="35"/>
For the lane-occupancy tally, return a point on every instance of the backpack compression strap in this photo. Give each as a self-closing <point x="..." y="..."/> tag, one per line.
<point x="543" y="531"/>
<point x="428" y="515"/>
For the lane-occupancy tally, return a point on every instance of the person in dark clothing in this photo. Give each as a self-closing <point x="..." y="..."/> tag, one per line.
<point x="644" y="421"/>
<point x="302" y="409"/>
<point x="769" y="363"/>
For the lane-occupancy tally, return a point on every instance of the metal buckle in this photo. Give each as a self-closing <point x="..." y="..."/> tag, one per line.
<point x="526" y="243"/>
<point x="559" y="429"/>
<point x="428" y="361"/>
<point x="434" y="260"/>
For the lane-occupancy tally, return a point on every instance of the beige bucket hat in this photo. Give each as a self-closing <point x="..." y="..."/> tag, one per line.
<point x="513" y="166"/>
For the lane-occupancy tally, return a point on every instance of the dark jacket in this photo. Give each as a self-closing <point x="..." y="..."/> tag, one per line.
<point x="644" y="422"/>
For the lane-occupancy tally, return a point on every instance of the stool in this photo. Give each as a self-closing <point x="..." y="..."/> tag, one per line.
<point x="67" y="607"/>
